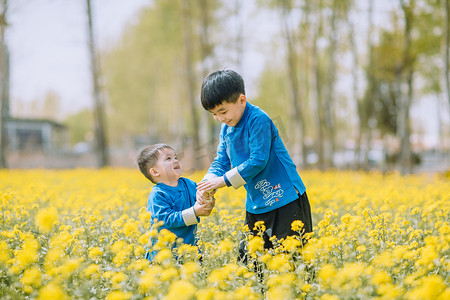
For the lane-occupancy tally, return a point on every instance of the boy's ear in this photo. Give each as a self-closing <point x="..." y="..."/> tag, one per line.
<point x="242" y="99"/>
<point x="153" y="172"/>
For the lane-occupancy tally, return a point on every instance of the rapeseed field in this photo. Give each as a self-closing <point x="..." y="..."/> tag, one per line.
<point x="83" y="234"/>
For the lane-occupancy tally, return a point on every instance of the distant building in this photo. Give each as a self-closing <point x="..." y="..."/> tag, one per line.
<point x="35" y="135"/>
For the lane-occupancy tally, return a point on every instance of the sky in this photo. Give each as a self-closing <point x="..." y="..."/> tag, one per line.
<point x="48" y="49"/>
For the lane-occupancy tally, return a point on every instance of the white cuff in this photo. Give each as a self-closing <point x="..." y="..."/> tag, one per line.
<point x="235" y="178"/>
<point x="189" y="216"/>
<point x="209" y="176"/>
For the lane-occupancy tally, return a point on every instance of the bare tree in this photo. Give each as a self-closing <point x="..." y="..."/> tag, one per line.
<point x="186" y="13"/>
<point x="407" y="68"/>
<point x="316" y="66"/>
<point x="4" y="83"/>
<point x="446" y="51"/>
<point x="292" y="65"/>
<point x="99" y="120"/>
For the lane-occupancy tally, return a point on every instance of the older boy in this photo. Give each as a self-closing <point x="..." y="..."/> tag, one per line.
<point x="251" y="154"/>
<point x="173" y="198"/>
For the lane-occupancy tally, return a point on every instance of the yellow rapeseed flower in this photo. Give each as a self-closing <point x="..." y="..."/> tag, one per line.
<point x="92" y="271"/>
<point x="180" y="289"/>
<point x="119" y="295"/>
<point x="95" y="253"/>
<point x="52" y="291"/>
<point x="5" y="253"/>
<point x="46" y="218"/>
<point x="280" y="262"/>
<point x="32" y="277"/>
<point x="255" y="245"/>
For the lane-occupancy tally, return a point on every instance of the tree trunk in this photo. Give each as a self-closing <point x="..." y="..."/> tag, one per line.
<point x="190" y="80"/>
<point x="101" y="144"/>
<point x="329" y="103"/>
<point x="406" y="100"/>
<point x="4" y="85"/>
<point x="365" y="114"/>
<point x="298" y="119"/>
<point x="318" y="87"/>
<point x="355" y="93"/>
<point x="446" y="48"/>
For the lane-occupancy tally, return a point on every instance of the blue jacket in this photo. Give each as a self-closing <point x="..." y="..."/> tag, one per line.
<point x="252" y="154"/>
<point x="174" y="206"/>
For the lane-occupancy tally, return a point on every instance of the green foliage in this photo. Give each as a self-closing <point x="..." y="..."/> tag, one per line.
<point x="143" y="73"/>
<point x="79" y="125"/>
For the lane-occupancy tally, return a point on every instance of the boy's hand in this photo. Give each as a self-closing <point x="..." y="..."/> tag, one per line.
<point x="211" y="184"/>
<point x="204" y="209"/>
<point x="205" y="197"/>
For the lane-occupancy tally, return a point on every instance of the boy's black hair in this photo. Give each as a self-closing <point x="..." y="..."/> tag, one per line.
<point x="221" y="86"/>
<point x="148" y="157"/>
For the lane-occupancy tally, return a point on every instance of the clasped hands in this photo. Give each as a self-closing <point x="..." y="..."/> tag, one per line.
<point x="205" y="194"/>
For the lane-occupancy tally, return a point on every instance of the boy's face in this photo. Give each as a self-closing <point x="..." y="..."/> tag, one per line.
<point x="167" y="169"/>
<point x="230" y="113"/>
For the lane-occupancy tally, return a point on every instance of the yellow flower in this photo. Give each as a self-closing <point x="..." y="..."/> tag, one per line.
<point x="297" y="225"/>
<point x="119" y="246"/>
<point x="190" y="268"/>
<point x="260" y="227"/>
<point x="280" y="262"/>
<point x="429" y="255"/>
<point x="52" y="291"/>
<point x="429" y="287"/>
<point x="380" y="278"/>
<point x="225" y="245"/>
<point x="163" y="255"/>
<point x="168" y="274"/>
<point x="384" y="259"/>
<point x="4" y="252"/>
<point x="149" y="279"/>
<point x="255" y="245"/>
<point x="46" y="218"/>
<point x="287" y="279"/>
<point x="121" y="257"/>
<point x="92" y="270"/>
<point x="119" y="295"/>
<point x="389" y="291"/>
<point x="291" y="243"/>
<point x="31" y="276"/>
<point x="180" y="289"/>
<point x="95" y="253"/>
<point x="206" y="293"/>
<point x="279" y="293"/>
<point x="326" y="273"/>
<point x="131" y="228"/>
<point x="25" y="256"/>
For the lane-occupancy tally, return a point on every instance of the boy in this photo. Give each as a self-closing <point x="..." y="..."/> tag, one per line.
<point x="173" y="198"/>
<point x="251" y="153"/>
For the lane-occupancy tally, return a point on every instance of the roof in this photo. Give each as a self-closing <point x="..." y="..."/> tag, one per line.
<point x="35" y="121"/>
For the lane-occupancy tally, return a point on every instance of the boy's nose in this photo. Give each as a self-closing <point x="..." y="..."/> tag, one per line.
<point x="220" y="119"/>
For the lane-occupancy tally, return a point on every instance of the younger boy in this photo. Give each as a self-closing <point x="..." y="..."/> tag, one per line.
<point x="251" y="154"/>
<point x="173" y="198"/>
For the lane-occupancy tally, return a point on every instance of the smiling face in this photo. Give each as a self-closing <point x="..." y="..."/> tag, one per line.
<point x="167" y="169"/>
<point x="230" y="113"/>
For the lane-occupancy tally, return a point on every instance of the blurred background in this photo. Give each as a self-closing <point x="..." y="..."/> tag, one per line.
<point x="349" y="84"/>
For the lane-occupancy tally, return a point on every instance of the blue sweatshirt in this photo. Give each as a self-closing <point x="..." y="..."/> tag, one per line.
<point x="175" y="207"/>
<point x="252" y="154"/>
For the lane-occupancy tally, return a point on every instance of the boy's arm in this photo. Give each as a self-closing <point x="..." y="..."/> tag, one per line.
<point x="221" y="163"/>
<point x="260" y="140"/>
<point x="171" y="218"/>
